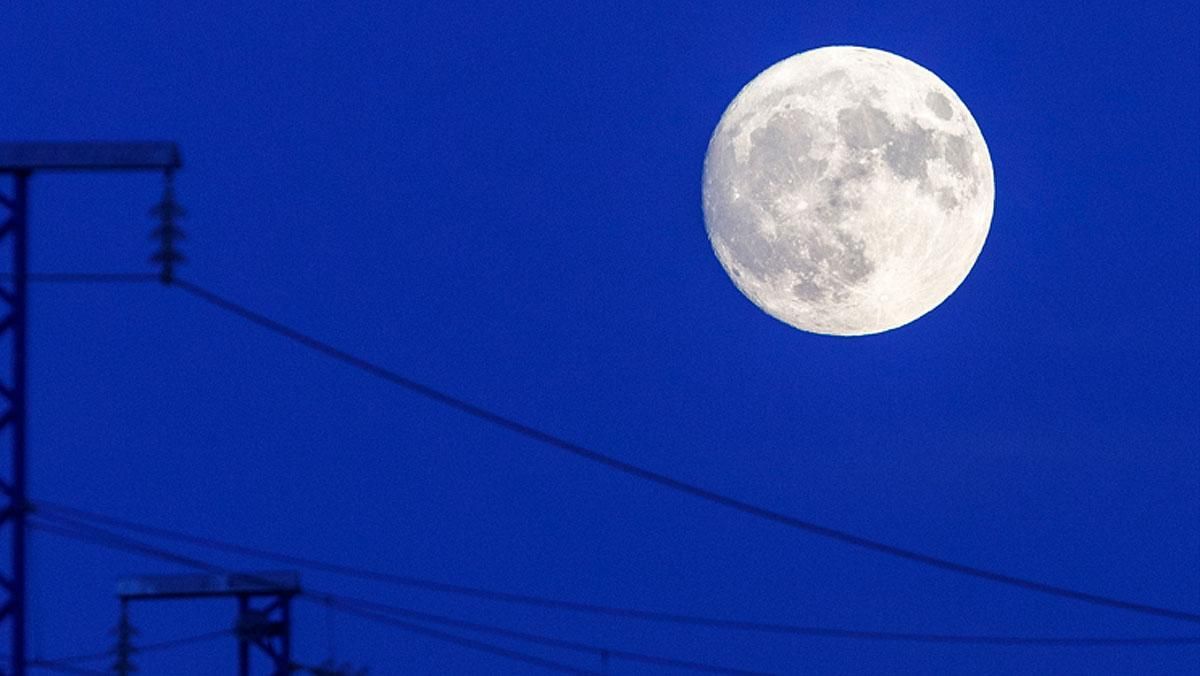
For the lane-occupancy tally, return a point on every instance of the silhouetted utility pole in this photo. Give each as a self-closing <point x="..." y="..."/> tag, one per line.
<point x="123" y="665"/>
<point x="264" y="602"/>
<point x="18" y="163"/>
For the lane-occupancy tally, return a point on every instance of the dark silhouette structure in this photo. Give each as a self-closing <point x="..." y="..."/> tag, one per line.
<point x="18" y="163"/>
<point x="264" y="616"/>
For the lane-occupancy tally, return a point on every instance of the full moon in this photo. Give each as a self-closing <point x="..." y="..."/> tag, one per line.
<point x="847" y="191"/>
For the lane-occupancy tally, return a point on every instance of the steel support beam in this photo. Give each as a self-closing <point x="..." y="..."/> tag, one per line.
<point x="268" y="628"/>
<point x="90" y="156"/>
<point x="243" y="638"/>
<point x="14" y="234"/>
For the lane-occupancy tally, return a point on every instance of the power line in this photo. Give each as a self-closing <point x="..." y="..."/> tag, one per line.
<point x="666" y="481"/>
<point x="365" y="609"/>
<point x="85" y="277"/>
<point x="815" y="631"/>
<point x="110" y="540"/>
<point x="97" y="536"/>
<point x="66" y="669"/>
<point x="71" y="515"/>
<point x="81" y="531"/>
<point x="464" y="642"/>
<point x="159" y="646"/>
<point x="421" y="616"/>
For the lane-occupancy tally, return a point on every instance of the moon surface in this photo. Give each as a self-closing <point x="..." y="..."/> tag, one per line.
<point x="847" y="191"/>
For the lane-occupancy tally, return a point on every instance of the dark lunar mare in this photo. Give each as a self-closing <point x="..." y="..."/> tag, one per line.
<point x="814" y="245"/>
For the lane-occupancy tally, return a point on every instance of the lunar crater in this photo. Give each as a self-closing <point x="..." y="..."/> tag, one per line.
<point x="940" y="105"/>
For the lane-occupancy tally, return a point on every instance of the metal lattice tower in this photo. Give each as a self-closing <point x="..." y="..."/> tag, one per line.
<point x="18" y="163"/>
<point x="264" y="609"/>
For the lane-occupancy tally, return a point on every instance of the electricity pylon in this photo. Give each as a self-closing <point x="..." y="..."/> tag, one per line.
<point x="18" y="163"/>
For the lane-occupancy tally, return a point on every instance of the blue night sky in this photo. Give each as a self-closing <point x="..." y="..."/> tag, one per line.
<point x="502" y="200"/>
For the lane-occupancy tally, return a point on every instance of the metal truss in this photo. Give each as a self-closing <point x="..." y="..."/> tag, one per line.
<point x="13" y="332"/>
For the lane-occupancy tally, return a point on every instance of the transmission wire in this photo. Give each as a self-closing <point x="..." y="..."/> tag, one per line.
<point x="463" y="641"/>
<point x="66" y="669"/>
<point x="67" y="514"/>
<point x="84" y="532"/>
<point x="107" y="539"/>
<point x="341" y="602"/>
<point x="84" y="277"/>
<point x="611" y="462"/>
<point x="158" y="646"/>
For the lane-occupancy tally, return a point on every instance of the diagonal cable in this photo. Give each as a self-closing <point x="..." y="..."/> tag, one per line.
<point x="97" y="536"/>
<point x="342" y="602"/>
<point x="70" y="515"/>
<point x="159" y="646"/>
<point x="84" y="277"/>
<point x="665" y="481"/>
<point x="91" y="534"/>
<point x="66" y="669"/>
<point x="462" y="641"/>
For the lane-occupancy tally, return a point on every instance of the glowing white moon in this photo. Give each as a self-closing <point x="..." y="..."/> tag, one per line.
<point x="847" y="191"/>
